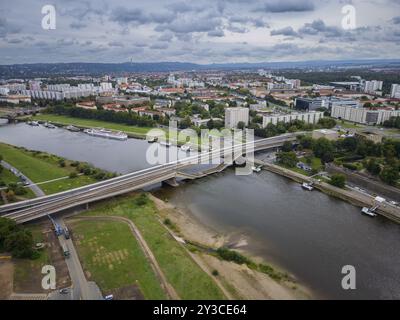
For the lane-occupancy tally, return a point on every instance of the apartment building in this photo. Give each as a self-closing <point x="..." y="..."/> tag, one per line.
<point x="308" y="117"/>
<point x="235" y="115"/>
<point x="363" y="115"/>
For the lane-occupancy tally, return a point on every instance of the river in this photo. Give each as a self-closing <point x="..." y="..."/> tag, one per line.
<point x="309" y="234"/>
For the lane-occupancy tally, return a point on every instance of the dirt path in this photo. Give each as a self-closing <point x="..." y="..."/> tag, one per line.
<point x="169" y="290"/>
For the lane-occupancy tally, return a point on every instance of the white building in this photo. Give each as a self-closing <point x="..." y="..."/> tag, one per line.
<point x="372" y="86"/>
<point x="308" y="117"/>
<point x="235" y="115"/>
<point x="4" y="91"/>
<point x="395" y="91"/>
<point x="363" y="115"/>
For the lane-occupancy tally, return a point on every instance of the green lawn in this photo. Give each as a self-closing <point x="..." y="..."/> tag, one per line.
<point x="89" y="123"/>
<point x="7" y="177"/>
<point x="40" y="167"/>
<point x="114" y="258"/>
<point x="26" y="268"/>
<point x="182" y="272"/>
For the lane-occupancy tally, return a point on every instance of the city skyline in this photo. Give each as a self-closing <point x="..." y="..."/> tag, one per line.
<point x="202" y="32"/>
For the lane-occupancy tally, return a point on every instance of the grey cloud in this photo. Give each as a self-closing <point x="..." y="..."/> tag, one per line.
<point x="78" y="25"/>
<point x="318" y="26"/>
<point x="287" y="31"/>
<point x="396" y="20"/>
<point x="115" y="44"/>
<point x="126" y="16"/>
<point x="216" y="33"/>
<point x="280" y="6"/>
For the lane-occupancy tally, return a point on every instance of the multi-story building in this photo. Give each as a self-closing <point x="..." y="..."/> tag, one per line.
<point x="372" y="86"/>
<point x="308" y="117"/>
<point x="363" y="115"/>
<point x="395" y="91"/>
<point x="235" y="115"/>
<point x="325" y="102"/>
<point x="15" y="98"/>
<point x="309" y="104"/>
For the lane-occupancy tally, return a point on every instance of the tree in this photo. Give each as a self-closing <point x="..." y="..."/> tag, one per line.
<point x="390" y="175"/>
<point x="372" y="166"/>
<point x="287" y="159"/>
<point x="287" y="146"/>
<point x="322" y="147"/>
<point x="338" y="180"/>
<point x="327" y="123"/>
<point x="241" y="125"/>
<point x="306" y="142"/>
<point x="15" y="239"/>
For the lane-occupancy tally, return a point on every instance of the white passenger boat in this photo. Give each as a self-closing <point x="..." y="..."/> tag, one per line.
<point x="152" y="139"/>
<point x="307" y="186"/>
<point x="368" y="212"/>
<point x="49" y="125"/>
<point x="165" y="143"/>
<point x="33" y="123"/>
<point x="103" y="133"/>
<point x="72" y="128"/>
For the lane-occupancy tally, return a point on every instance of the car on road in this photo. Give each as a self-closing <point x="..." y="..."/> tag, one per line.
<point x="64" y="291"/>
<point x="394" y="203"/>
<point x="109" y="297"/>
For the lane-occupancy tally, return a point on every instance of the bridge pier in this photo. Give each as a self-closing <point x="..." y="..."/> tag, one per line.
<point x="171" y="182"/>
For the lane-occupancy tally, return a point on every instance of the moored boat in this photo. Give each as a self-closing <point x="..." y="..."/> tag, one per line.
<point x="103" y="133"/>
<point x="307" y="186"/>
<point x="72" y="128"/>
<point x="368" y="211"/>
<point x="165" y="143"/>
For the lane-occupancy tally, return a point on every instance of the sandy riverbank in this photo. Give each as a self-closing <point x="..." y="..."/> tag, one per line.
<point x="239" y="281"/>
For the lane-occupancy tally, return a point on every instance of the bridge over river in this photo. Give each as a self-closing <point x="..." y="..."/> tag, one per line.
<point x="29" y="210"/>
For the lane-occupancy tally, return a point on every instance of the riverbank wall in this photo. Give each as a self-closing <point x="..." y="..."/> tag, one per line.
<point x="356" y="198"/>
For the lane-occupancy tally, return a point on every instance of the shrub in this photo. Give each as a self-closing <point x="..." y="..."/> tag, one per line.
<point x="338" y="180"/>
<point x="73" y="175"/>
<point x="215" y="273"/>
<point x="230" y="255"/>
<point x="141" y="200"/>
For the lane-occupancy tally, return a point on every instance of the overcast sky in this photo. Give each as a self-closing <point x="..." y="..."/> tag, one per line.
<point x="201" y="31"/>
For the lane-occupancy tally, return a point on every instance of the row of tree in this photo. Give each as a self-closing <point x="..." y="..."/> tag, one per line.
<point x="130" y="118"/>
<point x="272" y="130"/>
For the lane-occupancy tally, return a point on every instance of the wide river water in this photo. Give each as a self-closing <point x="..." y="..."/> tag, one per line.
<point x="309" y="234"/>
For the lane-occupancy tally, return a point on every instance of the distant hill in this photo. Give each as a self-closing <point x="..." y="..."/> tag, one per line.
<point x="80" y="68"/>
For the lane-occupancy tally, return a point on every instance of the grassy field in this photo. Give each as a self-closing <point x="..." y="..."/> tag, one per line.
<point x="66" y="120"/>
<point x="40" y="167"/>
<point x="182" y="272"/>
<point x="7" y="177"/>
<point x="26" y="268"/>
<point x="113" y="257"/>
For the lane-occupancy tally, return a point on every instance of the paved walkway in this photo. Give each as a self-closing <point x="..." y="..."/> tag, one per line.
<point x="36" y="190"/>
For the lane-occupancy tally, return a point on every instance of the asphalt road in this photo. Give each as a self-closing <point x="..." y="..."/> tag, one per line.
<point x="81" y="288"/>
<point x="36" y="190"/>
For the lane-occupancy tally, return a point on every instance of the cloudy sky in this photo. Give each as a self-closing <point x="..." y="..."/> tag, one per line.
<point x="201" y="31"/>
